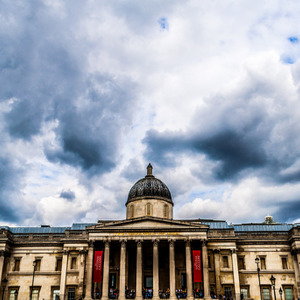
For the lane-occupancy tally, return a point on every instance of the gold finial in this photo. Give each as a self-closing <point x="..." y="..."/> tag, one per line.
<point x="149" y="170"/>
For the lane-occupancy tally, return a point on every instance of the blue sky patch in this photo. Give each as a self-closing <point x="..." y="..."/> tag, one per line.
<point x="163" y="22"/>
<point x="293" y="39"/>
<point x="288" y="60"/>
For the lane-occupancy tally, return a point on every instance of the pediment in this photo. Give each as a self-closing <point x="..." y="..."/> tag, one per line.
<point x="147" y="223"/>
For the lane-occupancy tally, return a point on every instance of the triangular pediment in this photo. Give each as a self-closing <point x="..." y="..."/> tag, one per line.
<point x="147" y="223"/>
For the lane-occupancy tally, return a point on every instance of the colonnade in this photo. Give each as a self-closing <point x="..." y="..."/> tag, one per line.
<point x="139" y="271"/>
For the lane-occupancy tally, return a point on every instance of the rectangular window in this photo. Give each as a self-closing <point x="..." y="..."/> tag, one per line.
<point x="241" y="263"/>
<point x="244" y="293"/>
<point x="262" y="263"/>
<point x="71" y="294"/>
<point x="38" y="264"/>
<point x="284" y="263"/>
<point x="73" y="263"/>
<point x="17" y="264"/>
<point x="288" y="291"/>
<point x="13" y="294"/>
<point x="55" y="294"/>
<point x="266" y="293"/>
<point x="225" y="262"/>
<point x="227" y="291"/>
<point x="58" y="264"/>
<point x="35" y="294"/>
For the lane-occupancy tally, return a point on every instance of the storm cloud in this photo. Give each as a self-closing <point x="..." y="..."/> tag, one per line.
<point x="91" y="92"/>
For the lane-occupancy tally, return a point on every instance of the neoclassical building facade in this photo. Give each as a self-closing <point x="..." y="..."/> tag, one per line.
<point x="150" y="255"/>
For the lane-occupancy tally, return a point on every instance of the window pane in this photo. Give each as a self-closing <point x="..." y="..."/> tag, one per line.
<point x="288" y="293"/>
<point x="12" y="294"/>
<point x="227" y="291"/>
<point x="71" y="294"/>
<point x="244" y="293"/>
<point x="35" y="294"/>
<point x="266" y="294"/>
<point x="55" y="295"/>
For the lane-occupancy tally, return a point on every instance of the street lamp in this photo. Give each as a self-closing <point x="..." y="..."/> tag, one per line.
<point x="280" y="293"/>
<point x="258" y="270"/>
<point x="4" y="282"/>
<point x="273" y="279"/>
<point x="34" y="266"/>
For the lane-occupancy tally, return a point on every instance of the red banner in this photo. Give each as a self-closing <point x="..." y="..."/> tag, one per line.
<point x="98" y="257"/>
<point x="197" y="266"/>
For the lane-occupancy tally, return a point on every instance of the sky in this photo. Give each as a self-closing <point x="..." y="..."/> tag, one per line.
<point x="92" y="91"/>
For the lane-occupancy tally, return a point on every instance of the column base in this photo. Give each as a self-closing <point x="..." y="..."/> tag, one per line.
<point x="104" y="298"/>
<point x="237" y="296"/>
<point x="138" y="297"/>
<point x="189" y="298"/>
<point x="173" y="298"/>
<point x="155" y="297"/>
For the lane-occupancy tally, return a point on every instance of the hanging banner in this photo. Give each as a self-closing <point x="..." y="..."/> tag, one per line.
<point x="98" y="257"/>
<point x="197" y="265"/>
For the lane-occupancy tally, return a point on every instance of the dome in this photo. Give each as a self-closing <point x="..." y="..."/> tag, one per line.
<point x="149" y="187"/>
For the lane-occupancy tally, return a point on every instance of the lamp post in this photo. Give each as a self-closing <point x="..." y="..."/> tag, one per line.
<point x="34" y="266"/>
<point x="4" y="282"/>
<point x="280" y="293"/>
<point x="258" y="270"/>
<point x="273" y="279"/>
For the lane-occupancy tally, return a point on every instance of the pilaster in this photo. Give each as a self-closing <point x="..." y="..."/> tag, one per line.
<point x="63" y="277"/>
<point x="236" y="277"/>
<point x="217" y="270"/>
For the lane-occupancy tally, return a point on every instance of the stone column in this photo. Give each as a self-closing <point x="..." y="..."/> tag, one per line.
<point x="155" y="271"/>
<point x="217" y="271"/>
<point x="89" y="271"/>
<point x="172" y="270"/>
<point x="297" y="274"/>
<point x="105" y="282"/>
<point x="205" y="270"/>
<point x="188" y="267"/>
<point x="2" y="259"/>
<point x="82" y="254"/>
<point x="122" y="271"/>
<point x="139" y="271"/>
<point x="236" y="277"/>
<point x="63" y="276"/>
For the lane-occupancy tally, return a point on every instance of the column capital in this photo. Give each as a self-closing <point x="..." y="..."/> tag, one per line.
<point x="216" y="251"/>
<point x="66" y="252"/>
<point x="233" y="251"/>
<point x="83" y="251"/>
<point x="91" y="243"/>
<point x="155" y="242"/>
<point x="171" y="242"/>
<point x="187" y="242"/>
<point x="123" y="243"/>
<point x="106" y="244"/>
<point x="204" y="242"/>
<point x="139" y="243"/>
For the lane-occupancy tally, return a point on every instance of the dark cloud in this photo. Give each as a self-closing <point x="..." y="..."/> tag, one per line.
<point x="44" y="70"/>
<point x="287" y="211"/>
<point x="10" y="184"/>
<point x="69" y="195"/>
<point x="238" y="135"/>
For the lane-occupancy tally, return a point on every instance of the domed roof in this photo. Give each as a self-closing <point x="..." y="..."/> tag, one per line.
<point x="149" y="187"/>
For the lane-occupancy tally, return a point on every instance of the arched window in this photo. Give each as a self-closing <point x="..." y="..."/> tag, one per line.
<point x="166" y="211"/>
<point x="148" y="209"/>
